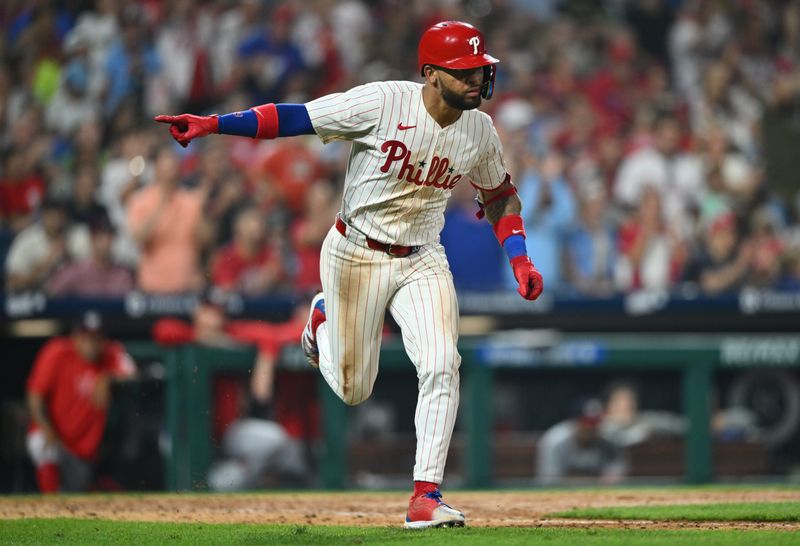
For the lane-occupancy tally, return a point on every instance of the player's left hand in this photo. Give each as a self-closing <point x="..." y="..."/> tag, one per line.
<point x="186" y="127"/>
<point x="530" y="280"/>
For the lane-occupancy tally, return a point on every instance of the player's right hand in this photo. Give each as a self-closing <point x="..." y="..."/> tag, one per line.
<point x="186" y="127"/>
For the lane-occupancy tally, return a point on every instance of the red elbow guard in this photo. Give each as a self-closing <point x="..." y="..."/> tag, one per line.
<point x="267" y="115"/>
<point x="508" y="226"/>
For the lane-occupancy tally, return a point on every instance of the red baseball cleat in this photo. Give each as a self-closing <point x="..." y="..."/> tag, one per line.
<point x="308" y="341"/>
<point x="428" y="510"/>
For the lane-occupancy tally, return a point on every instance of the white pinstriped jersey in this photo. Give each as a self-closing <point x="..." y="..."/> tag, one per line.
<point x="403" y="165"/>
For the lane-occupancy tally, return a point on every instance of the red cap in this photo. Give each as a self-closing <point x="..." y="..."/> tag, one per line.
<point x="453" y="44"/>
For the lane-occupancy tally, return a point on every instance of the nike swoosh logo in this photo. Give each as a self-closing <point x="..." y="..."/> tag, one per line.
<point x="515" y="231"/>
<point x="402" y="127"/>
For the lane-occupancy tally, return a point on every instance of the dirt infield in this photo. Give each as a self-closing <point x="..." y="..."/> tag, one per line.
<point x="508" y="509"/>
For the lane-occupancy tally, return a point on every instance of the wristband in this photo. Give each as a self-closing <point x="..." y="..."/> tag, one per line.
<point x="508" y="226"/>
<point x="267" y="116"/>
<point x="514" y="245"/>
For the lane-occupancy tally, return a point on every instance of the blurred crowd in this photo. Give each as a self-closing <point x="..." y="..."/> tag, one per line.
<point x="653" y="142"/>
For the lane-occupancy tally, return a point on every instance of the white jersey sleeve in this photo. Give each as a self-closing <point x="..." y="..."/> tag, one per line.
<point x="346" y="116"/>
<point x="490" y="170"/>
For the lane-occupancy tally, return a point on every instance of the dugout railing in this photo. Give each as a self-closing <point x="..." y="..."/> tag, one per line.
<point x="191" y="368"/>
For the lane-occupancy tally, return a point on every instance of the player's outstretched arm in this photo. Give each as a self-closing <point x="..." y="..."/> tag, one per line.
<point x="265" y="122"/>
<point x="502" y="208"/>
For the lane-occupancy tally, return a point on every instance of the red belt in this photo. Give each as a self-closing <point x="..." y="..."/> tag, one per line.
<point x="391" y="250"/>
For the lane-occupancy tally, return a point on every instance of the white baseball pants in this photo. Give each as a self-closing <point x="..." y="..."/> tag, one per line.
<point x="359" y="285"/>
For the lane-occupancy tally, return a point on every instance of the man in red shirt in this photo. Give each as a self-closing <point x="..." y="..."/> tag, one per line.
<point x="68" y="396"/>
<point x="249" y="264"/>
<point x="22" y="190"/>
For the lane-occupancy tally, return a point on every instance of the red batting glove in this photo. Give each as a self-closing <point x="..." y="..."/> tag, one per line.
<point x="530" y="281"/>
<point x="186" y="127"/>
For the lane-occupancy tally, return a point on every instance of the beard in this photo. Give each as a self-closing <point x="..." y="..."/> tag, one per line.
<point x="459" y="102"/>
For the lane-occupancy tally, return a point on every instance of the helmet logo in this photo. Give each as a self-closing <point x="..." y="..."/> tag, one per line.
<point x="474" y="42"/>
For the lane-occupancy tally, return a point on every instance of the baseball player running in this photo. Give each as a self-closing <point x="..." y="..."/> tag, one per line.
<point x="412" y="143"/>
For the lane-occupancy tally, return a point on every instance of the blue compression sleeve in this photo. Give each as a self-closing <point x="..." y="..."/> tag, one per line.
<point x="514" y="245"/>
<point x="242" y="123"/>
<point x="293" y="119"/>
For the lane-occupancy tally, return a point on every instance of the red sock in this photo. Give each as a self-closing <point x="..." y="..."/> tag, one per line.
<point x="420" y="488"/>
<point x="47" y="477"/>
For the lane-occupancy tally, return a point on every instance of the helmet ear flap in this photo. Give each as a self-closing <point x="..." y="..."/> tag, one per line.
<point x="489" y="72"/>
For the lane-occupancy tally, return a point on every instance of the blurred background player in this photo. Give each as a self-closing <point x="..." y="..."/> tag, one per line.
<point x="575" y="449"/>
<point x="263" y="425"/>
<point x="69" y="392"/>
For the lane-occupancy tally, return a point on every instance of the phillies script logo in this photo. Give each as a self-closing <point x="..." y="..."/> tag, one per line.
<point x="438" y="173"/>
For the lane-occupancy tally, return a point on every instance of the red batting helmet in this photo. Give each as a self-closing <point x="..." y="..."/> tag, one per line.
<point x="457" y="45"/>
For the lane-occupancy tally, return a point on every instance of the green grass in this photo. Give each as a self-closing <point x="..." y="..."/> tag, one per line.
<point x="85" y="532"/>
<point x="738" y="511"/>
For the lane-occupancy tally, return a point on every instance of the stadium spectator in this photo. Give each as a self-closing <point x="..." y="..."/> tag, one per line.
<point x="182" y="47"/>
<point x="574" y="449"/>
<point x="650" y="257"/>
<point x="591" y="251"/>
<point x="128" y="169"/>
<point x="83" y="206"/>
<point x="269" y="64"/>
<point x="96" y="30"/>
<point x="85" y="147"/>
<point x="69" y="393"/>
<point x="132" y="65"/>
<point x="236" y="20"/>
<point x="611" y="89"/>
<point x="97" y="275"/>
<point x="548" y="208"/>
<point x="307" y="233"/>
<point x="290" y="166"/>
<point x="767" y="249"/>
<point x="224" y="204"/>
<point x="165" y="219"/>
<point x="727" y="103"/>
<point x="41" y="249"/>
<point x="248" y="264"/>
<point x="21" y="191"/>
<point x="722" y="263"/>
<point x="73" y="102"/>
<point x="676" y="177"/>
